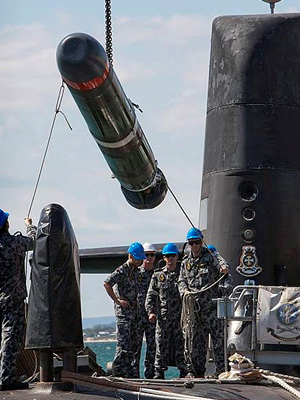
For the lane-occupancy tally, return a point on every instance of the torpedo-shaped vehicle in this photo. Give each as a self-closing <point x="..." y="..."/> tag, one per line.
<point x="111" y="119"/>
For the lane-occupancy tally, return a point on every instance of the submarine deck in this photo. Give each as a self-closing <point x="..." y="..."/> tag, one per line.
<point x="202" y="389"/>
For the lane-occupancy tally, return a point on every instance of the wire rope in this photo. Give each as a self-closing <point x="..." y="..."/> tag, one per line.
<point x="57" y="110"/>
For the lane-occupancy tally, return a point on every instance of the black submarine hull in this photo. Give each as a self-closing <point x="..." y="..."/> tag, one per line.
<point x="251" y="175"/>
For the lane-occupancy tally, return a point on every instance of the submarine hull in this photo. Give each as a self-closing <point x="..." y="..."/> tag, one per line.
<point x="249" y="202"/>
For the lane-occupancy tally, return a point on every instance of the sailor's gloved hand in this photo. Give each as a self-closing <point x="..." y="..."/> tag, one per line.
<point x="28" y="221"/>
<point x="224" y="269"/>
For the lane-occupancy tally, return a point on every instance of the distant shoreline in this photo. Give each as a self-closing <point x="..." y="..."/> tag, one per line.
<point x="99" y="340"/>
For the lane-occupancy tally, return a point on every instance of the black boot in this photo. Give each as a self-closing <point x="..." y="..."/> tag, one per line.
<point x="15" y="386"/>
<point x="182" y="373"/>
<point x="149" y="375"/>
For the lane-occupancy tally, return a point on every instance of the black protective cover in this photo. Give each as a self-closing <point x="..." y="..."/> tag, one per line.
<point x="54" y="311"/>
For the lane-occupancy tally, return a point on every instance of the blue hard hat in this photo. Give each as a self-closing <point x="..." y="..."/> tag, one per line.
<point x="3" y="217"/>
<point x="170" y="248"/>
<point x="211" y="248"/>
<point x="194" y="233"/>
<point x="137" y="251"/>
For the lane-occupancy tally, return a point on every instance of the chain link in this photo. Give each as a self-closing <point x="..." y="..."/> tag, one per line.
<point x="108" y="31"/>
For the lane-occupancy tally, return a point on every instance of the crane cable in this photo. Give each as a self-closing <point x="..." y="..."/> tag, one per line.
<point x="109" y="41"/>
<point x="35" y="374"/>
<point x="108" y="32"/>
<point x="57" y="110"/>
<point x="109" y="52"/>
<point x="180" y="206"/>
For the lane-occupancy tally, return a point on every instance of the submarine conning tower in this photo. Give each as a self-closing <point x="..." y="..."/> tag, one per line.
<point x="250" y="201"/>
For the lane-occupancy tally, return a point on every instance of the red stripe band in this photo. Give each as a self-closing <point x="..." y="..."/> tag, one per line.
<point x="89" y="85"/>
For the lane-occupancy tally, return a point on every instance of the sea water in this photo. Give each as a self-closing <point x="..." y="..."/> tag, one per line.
<point x="105" y="352"/>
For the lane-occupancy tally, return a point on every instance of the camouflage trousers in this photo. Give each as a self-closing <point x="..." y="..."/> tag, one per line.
<point x="195" y="352"/>
<point x="148" y="328"/>
<point x="125" y="361"/>
<point x="12" y="319"/>
<point x="168" y="332"/>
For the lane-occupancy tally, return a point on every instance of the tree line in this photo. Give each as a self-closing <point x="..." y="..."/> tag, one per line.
<point x="94" y="330"/>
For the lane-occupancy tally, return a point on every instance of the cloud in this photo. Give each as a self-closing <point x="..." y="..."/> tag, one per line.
<point x="28" y="72"/>
<point x="8" y="181"/>
<point x="183" y="115"/>
<point x="153" y="47"/>
<point x="177" y="30"/>
<point x="134" y="71"/>
<point x="169" y="59"/>
<point x="64" y="19"/>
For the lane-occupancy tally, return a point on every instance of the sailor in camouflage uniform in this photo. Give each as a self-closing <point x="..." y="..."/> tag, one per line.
<point x="122" y="287"/>
<point x="200" y="269"/>
<point x="163" y="305"/>
<point x="12" y="294"/>
<point x="147" y="327"/>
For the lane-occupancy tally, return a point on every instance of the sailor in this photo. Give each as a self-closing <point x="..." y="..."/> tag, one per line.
<point x="163" y="305"/>
<point x="13" y="292"/>
<point x="122" y="287"/>
<point x="199" y="270"/>
<point x="146" y="327"/>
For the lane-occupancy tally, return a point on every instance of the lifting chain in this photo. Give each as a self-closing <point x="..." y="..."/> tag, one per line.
<point x="108" y="31"/>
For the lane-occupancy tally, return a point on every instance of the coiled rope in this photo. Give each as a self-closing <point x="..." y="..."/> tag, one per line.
<point x="187" y="321"/>
<point x="189" y="313"/>
<point x="275" y="379"/>
<point x="295" y="379"/>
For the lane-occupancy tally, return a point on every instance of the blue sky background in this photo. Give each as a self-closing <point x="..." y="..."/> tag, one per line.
<point x="161" y="56"/>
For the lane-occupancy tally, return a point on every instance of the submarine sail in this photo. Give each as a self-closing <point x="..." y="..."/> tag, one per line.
<point x="250" y="208"/>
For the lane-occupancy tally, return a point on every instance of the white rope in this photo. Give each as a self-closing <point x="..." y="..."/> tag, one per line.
<point x="295" y="379"/>
<point x="171" y="395"/>
<point x="187" y="321"/>
<point x="280" y="382"/>
<point x="158" y="394"/>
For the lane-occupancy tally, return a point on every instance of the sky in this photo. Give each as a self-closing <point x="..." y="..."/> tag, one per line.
<point x="161" y="57"/>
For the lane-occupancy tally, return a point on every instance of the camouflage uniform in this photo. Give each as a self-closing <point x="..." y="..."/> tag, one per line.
<point x="163" y="299"/>
<point x="146" y="327"/>
<point x="12" y="295"/>
<point x="125" y="280"/>
<point x="195" y="274"/>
